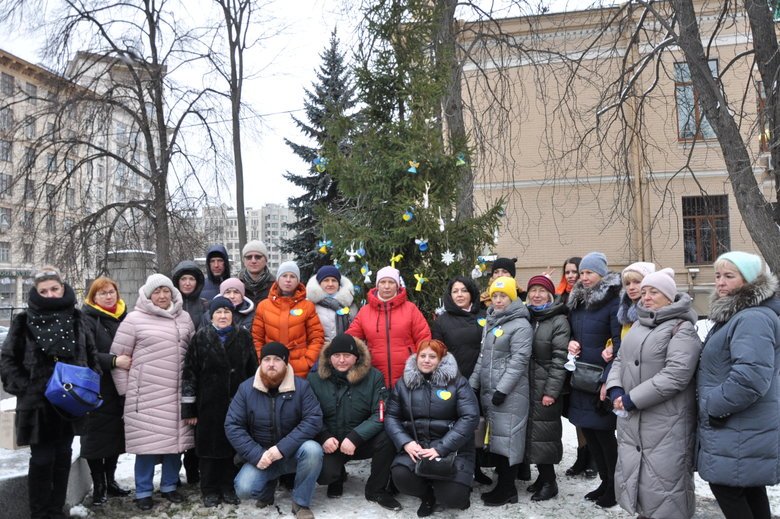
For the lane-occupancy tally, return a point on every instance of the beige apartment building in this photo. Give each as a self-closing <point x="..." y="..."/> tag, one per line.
<point x="657" y="192"/>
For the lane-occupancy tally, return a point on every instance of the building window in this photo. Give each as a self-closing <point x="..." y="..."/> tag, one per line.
<point x="51" y="223"/>
<point x="691" y="122"/>
<point x="5" y="219"/>
<point x="51" y="162"/>
<point x="70" y="165"/>
<point x="6" y="118"/>
<point x="29" y="189"/>
<point x="765" y="135"/>
<point x="28" y="252"/>
<point x="5" y="251"/>
<point x="6" y="151"/>
<point x="7" y="84"/>
<point x="5" y="185"/>
<point x="28" y="222"/>
<point x="32" y="93"/>
<point x="29" y="157"/>
<point x="70" y="197"/>
<point x="29" y="129"/>
<point x="705" y="228"/>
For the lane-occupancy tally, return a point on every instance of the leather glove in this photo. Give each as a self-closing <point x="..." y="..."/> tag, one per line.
<point x="498" y="398"/>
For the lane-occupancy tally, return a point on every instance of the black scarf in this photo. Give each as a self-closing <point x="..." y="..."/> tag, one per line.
<point x="50" y="321"/>
<point x="253" y="286"/>
<point x="342" y="321"/>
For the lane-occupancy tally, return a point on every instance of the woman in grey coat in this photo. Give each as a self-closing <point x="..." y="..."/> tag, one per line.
<point x="739" y="395"/>
<point x="501" y="376"/>
<point x="652" y="379"/>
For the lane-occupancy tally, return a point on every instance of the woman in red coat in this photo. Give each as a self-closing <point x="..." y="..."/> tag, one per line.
<point x="391" y="325"/>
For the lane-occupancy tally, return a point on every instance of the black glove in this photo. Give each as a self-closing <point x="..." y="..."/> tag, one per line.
<point x="498" y="398"/>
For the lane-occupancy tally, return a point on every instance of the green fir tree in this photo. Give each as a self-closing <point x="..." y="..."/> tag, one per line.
<point x="401" y="177"/>
<point x="327" y="125"/>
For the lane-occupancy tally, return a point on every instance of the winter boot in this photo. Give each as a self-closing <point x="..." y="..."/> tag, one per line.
<point x="524" y="472"/>
<point x="112" y="487"/>
<point x="480" y="477"/>
<point x="583" y="458"/>
<point x="505" y="491"/>
<point x="99" y="489"/>
<point x="39" y="490"/>
<point x="59" y="489"/>
<point x="591" y="471"/>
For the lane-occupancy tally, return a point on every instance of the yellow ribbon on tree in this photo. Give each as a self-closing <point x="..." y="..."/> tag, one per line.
<point x="420" y="280"/>
<point x="396" y="259"/>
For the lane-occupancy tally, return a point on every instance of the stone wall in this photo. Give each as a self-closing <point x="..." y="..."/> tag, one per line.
<point x="130" y="268"/>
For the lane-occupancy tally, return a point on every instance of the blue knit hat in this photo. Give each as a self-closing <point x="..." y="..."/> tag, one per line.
<point x="595" y="261"/>
<point x="220" y="302"/>
<point x="328" y="271"/>
<point x="749" y="265"/>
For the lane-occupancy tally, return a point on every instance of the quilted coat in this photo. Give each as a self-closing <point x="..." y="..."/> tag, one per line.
<point x="157" y="340"/>
<point x="593" y="320"/>
<point x="738" y="388"/>
<point x="292" y="321"/>
<point x="503" y="366"/>
<point x="446" y="414"/>
<point x="547" y="376"/>
<point x="656" y="366"/>
<point x="392" y="330"/>
<point x="345" y="296"/>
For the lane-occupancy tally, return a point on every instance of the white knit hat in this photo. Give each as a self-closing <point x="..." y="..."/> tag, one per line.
<point x="156" y="281"/>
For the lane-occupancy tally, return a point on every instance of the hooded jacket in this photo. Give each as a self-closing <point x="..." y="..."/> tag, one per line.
<point x="392" y="329"/>
<point x="211" y="287"/>
<point x="349" y="402"/>
<point x="192" y="303"/>
<point x="157" y="340"/>
<point x="292" y="321"/>
<point x="461" y="330"/>
<point x="243" y="315"/>
<point x="656" y="366"/>
<point x="738" y="388"/>
<point x="445" y="413"/>
<point x="503" y="366"/>
<point x="593" y="320"/>
<point x="345" y="297"/>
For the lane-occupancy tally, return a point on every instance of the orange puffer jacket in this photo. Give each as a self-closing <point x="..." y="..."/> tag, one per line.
<point x="292" y="321"/>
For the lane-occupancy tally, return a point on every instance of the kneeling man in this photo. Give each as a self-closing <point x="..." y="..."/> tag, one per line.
<point x="350" y="391"/>
<point x="271" y="423"/>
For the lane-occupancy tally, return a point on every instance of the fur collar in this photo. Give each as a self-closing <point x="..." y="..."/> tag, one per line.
<point x="344" y="296"/>
<point x="287" y="385"/>
<point x="598" y="295"/>
<point x="445" y="372"/>
<point x="750" y="295"/>
<point x="626" y="313"/>
<point x="357" y="373"/>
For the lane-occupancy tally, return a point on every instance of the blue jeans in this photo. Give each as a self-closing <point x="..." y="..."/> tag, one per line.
<point x="144" y="473"/>
<point x="252" y="482"/>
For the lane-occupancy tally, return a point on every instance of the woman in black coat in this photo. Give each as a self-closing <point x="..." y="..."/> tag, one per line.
<point x="433" y="412"/>
<point x="220" y="357"/>
<point x="51" y="330"/>
<point x="103" y="431"/>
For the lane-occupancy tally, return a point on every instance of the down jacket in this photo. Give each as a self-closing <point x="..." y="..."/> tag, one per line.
<point x="350" y="402"/>
<point x="739" y="389"/>
<point x="656" y="366"/>
<point x="461" y="330"/>
<point x="446" y="414"/>
<point x="547" y="376"/>
<point x="593" y="320"/>
<point x="157" y="341"/>
<point x="259" y="419"/>
<point x="392" y="329"/>
<point x="103" y="431"/>
<point x="503" y="366"/>
<point x="212" y="372"/>
<point x="292" y="321"/>
<point x="345" y="297"/>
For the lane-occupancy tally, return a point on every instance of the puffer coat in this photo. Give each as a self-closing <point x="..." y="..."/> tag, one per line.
<point x="392" y="329"/>
<point x="345" y="297"/>
<point x="102" y="431"/>
<point x="503" y="366"/>
<point x="461" y="330"/>
<point x="656" y="366"/>
<point x="593" y="320"/>
<point x="547" y="377"/>
<point x="738" y="389"/>
<point x="350" y="401"/>
<point x="212" y="372"/>
<point x="157" y="341"/>
<point x="292" y="321"/>
<point x="445" y="411"/>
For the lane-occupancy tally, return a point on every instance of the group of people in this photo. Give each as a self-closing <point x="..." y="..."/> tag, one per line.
<point x="262" y="380"/>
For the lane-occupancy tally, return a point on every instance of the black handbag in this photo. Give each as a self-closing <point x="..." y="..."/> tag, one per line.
<point x="587" y="377"/>
<point x="436" y="468"/>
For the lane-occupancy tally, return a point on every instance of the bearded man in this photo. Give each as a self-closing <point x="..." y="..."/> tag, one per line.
<point x="271" y="424"/>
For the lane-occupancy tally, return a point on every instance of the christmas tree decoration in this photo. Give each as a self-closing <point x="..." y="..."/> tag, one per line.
<point x="320" y="164"/>
<point x="395" y="258"/>
<point x="324" y="246"/>
<point x="421" y="244"/>
<point x="365" y="270"/>
<point x="337" y="264"/>
<point x="426" y="203"/>
<point x="441" y="221"/>
<point x="460" y="160"/>
<point x="413" y="167"/>
<point x="447" y="257"/>
<point x="361" y="252"/>
<point x="351" y="253"/>
<point x="408" y="215"/>
<point x="420" y="280"/>
<point x="476" y="272"/>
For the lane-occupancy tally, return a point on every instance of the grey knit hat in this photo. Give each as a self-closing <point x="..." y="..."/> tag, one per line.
<point x="288" y="266"/>
<point x="156" y="281"/>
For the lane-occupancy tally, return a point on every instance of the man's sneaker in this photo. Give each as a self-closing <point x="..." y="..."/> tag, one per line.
<point x="385" y="501"/>
<point x="262" y="503"/>
<point x="144" y="503"/>
<point x="301" y="512"/>
<point x="173" y="496"/>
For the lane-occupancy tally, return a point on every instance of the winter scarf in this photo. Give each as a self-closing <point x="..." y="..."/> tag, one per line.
<point x="265" y="280"/>
<point x="50" y="321"/>
<point x="342" y="320"/>
<point x="223" y="333"/>
<point x="115" y="312"/>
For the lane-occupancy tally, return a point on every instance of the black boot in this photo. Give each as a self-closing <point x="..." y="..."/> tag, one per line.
<point x="428" y="504"/>
<point x="547" y="490"/>
<point x="524" y="472"/>
<point x="581" y="463"/>
<point x="480" y="477"/>
<point x="594" y="495"/>
<point x="607" y="499"/>
<point x="99" y="488"/>
<point x="592" y="470"/>
<point x="505" y="491"/>
<point x="59" y="489"/>
<point x="112" y="487"/>
<point x="39" y="490"/>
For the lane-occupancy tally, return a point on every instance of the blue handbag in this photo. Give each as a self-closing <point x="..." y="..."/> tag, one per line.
<point x="74" y="389"/>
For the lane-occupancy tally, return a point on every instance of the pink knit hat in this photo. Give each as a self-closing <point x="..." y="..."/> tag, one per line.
<point x="389" y="272"/>
<point x="232" y="283"/>
<point x="663" y="281"/>
<point x="643" y="268"/>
